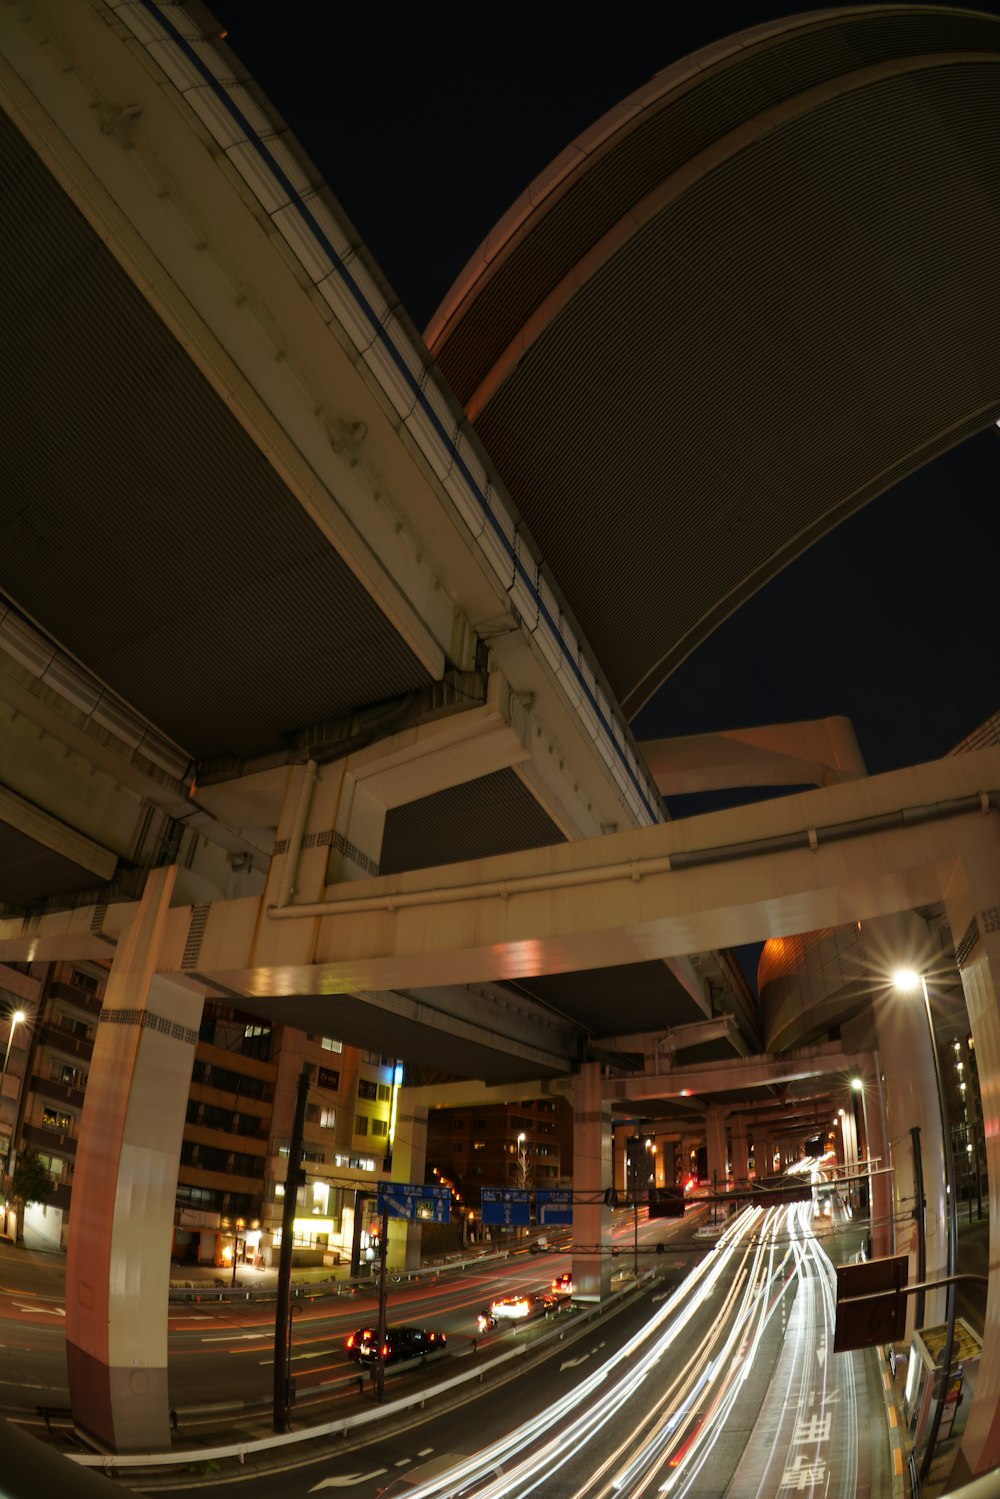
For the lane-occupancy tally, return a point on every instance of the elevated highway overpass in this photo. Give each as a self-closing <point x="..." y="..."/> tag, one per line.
<point x="335" y="626"/>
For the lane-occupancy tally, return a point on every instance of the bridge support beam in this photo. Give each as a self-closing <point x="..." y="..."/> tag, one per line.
<point x="741" y="1152"/>
<point x="591" y="1178"/>
<point x="125" y="1183"/>
<point x="409" y="1163"/>
<point x="972" y="900"/>
<point x="718" y="1151"/>
<point x="891" y="943"/>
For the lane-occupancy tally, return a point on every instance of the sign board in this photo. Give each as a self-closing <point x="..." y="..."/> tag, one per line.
<point x="554" y="1207"/>
<point x="871" y="1306"/>
<point x="414" y="1204"/>
<point x="506" y="1207"/>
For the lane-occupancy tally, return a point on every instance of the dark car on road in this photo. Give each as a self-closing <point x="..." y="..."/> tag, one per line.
<point x="400" y="1343"/>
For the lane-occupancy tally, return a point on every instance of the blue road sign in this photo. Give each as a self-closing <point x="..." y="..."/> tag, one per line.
<point x="414" y="1203"/>
<point x="554" y="1207"/>
<point x="506" y="1207"/>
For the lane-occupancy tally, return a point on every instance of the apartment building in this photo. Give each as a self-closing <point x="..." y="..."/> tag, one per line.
<point x="234" y="1153"/>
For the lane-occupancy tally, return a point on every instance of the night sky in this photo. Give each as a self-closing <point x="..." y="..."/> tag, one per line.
<point x="427" y="121"/>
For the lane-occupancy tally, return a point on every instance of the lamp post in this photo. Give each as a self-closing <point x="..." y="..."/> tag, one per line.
<point x="17" y="1018"/>
<point x="238" y="1228"/>
<point x="522" y="1160"/>
<point x="907" y="981"/>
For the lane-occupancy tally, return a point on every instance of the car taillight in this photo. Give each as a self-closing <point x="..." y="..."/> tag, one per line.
<point x="385" y="1350"/>
<point x="350" y="1341"/>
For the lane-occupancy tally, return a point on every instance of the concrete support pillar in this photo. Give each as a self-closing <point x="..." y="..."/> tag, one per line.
<point x="892" y="943"/>
<point x="409" y="1164"/>
<point x="972" y="899"/>
<point x="879" y="1180"/>
<point x="591" y="1178"/>
<point x="718" y="1155"/>
<point x="849" y="1144"/>
<point x="740" y="1152"/>
<point x="124" y="1188"/>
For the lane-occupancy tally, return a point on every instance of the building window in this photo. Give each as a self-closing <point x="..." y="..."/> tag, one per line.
<point x="384" y="1093"/>
<point x="329" y="1079"/>
<point x="328" y="1118"/>
<point x="380" y="1127"/>
<point x="328" y="1044"/>
<point x="457" y="1147"/>
<point x="55" y="1120"/>
<point x="84" y="981"/>
<point x="367" y="1089"/>
<point x="458" y="1124"/>
<point x="479" y="1144"/>
<point x="361" y="1124"/>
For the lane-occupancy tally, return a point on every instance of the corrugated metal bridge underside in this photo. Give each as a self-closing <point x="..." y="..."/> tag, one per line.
<point x="750" y="299"/>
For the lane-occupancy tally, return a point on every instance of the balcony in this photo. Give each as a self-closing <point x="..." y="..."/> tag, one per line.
<point x="66" y="1041"/>
<point x="71" y="995"/>
<point x="48" y="1141"/>
<point x="56" y="1092"/>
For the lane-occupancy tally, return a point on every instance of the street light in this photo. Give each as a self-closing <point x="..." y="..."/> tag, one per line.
<point x="908" y="981"/>
<point x="522" y="1160"/>
<point x="239" y="1226"/>
<point x="18" y="1018"/>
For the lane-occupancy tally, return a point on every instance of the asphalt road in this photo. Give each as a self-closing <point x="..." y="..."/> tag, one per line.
<point x="727" y="1387"/>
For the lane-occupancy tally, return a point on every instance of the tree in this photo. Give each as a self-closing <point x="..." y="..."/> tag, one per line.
<point x="30" y="1181"/>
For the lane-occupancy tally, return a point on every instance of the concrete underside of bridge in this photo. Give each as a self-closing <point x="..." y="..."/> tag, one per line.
<point x="329" y="680"/>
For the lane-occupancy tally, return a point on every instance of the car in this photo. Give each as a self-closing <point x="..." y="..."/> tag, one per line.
<point x="562" y="1285"/>
<point x="399" y="1344"/>
<point x="517" y="1309"/>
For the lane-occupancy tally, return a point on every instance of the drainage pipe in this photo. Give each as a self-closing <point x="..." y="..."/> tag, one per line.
<point x="638" y="869"/>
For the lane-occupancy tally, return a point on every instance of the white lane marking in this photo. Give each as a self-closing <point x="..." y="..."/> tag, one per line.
<point x="235" y="1337"/>
<point x="294" y="1356"/>
<point x="52" y="1311"/>
<point x="347" y="1480"/>
<point x="571" y="1363"/>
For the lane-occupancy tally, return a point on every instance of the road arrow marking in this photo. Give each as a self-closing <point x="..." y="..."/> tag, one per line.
<point x="347" y="1480"/>
<point x="571" y="1363"/>
<point x="52" y="1311"/>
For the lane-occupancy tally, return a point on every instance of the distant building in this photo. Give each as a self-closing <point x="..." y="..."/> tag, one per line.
<point x="234" y="1153"/>
<point x="482" y="1146"/>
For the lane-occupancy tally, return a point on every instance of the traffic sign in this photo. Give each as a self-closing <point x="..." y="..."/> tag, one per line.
<point x="554" y="1207"/>
<point x="506" y="1207"/>
<point x="871" y="1304"/>
<point x="413" y="1203"/>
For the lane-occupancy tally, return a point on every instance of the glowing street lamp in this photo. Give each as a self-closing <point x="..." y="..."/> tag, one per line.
<point x="908" y="981"/>
<point x="17" y="1018"/>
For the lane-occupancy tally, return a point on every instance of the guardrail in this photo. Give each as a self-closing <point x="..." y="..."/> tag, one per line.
<point x="111" y="1463"/>
<point x="223" y="1290"/>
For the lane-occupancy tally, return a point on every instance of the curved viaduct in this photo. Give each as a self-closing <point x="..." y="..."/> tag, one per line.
<point x="749" y="299"/>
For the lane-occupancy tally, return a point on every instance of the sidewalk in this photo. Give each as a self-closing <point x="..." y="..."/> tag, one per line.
<point x="973" y="1259"/>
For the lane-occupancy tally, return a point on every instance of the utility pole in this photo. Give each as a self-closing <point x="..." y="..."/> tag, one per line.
<point x="383" y="1236"/>
<point x="281" y="1312"/>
